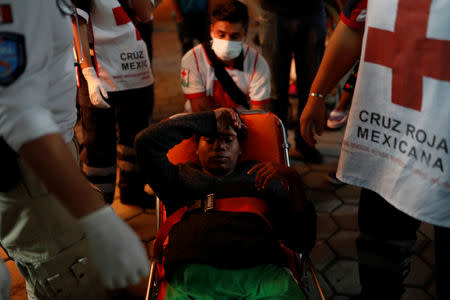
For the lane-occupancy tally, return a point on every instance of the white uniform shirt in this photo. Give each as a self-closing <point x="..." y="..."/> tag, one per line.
<point x="398" y="132"/>
<point x="41" y="100"/>
<point x="198" y="78"/>
<point x="120" y="53"/>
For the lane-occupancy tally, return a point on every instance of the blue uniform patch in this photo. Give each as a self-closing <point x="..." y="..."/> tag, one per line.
<point x="12" y="57"/>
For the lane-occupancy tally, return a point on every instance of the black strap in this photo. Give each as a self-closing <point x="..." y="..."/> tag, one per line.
<point x="225" y="79"/>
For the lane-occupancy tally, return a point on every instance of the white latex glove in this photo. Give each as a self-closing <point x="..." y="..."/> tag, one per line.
<point x="5" y="281"/>
<point x="96" y="90"/>
<point x="117" y="250"/>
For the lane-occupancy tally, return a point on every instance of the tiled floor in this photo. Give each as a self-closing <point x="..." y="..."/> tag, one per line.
<point x="334" y="255"/>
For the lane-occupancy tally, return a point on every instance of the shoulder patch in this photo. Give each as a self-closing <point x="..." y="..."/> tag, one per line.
<point x="12" y="57"/>
<point x="5" y="14"/>
<point x="185" y="77"/>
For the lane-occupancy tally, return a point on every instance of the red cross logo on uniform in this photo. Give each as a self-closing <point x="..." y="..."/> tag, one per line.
<point x="409" y="53"/>
<point x="121" y="18"/>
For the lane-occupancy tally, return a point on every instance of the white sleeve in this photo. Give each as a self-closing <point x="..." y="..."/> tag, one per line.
<point x="259" y="89"/>
<point x="23" y="112"/>
<point x="191" y="80"/>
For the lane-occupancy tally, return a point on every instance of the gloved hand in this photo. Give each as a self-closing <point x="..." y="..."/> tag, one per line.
<point x="117" y="250"/>
<point x="5" y="281"/>
<point x="96" y="90"/>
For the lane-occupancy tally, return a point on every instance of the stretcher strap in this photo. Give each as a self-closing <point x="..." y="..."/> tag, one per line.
<point x="235" y="204"/>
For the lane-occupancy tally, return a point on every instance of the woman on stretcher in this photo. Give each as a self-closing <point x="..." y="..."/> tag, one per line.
<point x="221" y="248"/>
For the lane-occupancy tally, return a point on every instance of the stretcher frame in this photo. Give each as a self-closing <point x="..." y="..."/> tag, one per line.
<point x="281" y="156"/>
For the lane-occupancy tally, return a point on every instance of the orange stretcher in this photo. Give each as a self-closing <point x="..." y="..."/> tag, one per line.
<point x="266" y="141"/>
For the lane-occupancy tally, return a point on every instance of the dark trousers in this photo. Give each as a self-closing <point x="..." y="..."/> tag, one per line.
<point x="385" y="249"/>
<point x="146" y="32"/>
<point x="283" y="37"/>
<point x="108" y="137"/>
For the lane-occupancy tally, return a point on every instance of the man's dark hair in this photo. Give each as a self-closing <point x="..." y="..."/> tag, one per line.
<point x="232" y="11"/>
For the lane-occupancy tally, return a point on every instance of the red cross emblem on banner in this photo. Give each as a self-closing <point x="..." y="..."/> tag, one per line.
<point x="121" y="18"/>
<point x="409" y="53"/>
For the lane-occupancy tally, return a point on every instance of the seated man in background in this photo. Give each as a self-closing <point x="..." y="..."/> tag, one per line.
<point x="226" y="72"/>
<point x="216" y="252"/>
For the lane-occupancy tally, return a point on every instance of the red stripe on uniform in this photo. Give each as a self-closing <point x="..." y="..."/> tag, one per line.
<point x="120" y="16"/>
<point x="254" y="65"/>
<point x="194" y="95"/>
<point x="246" y="52"/>
<point x="196" y="61"/>
<point x="260" y="102"/>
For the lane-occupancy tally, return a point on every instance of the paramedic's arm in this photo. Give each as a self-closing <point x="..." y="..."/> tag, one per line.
<point x="81" y="39"/>
<point x="96" y="88"/>
<point x="52" y="162"/>
<point x="343" y="50"/>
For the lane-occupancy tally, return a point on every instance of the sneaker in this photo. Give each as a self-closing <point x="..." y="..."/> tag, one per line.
<point x="337" y="119"/>
<point x="333" y="179"/>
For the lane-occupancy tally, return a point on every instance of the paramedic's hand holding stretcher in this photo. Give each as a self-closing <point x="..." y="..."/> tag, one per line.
<point x="5" y="281"/>
<point x="97" y="92"/>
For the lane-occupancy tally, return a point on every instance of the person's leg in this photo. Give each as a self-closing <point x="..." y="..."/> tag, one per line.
<point x="309" y="46"/>
<point x="442" y="251"/>
<point x="196" y="281"/>
<point x="134" y="109"/>
<point x="273" y="36"/>
<point x="384" y="247"/>
<point x="146" y="31"/>
<point x="185" y="30"/>
<point x="98" y="153"/>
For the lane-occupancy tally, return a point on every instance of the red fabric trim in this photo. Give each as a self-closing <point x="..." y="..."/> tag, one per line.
<point x="242" y="204"/>
<point x="163" y="232"/>
<point x="120" y="16"/>
<point x="162" y="290"/>
<point x="194" y="95"/>
<point x="246" y="52"/>
<point x="196" y="61"/>
<point x="260" y="101"/>
<point x="351" y="23"/>
<point x="254" y="64"/>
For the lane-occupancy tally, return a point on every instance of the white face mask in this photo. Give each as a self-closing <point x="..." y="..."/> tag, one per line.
<point x="226" y="50"/>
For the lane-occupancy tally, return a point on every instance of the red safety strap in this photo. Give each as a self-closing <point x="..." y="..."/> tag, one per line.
<point x="235" y="204"/>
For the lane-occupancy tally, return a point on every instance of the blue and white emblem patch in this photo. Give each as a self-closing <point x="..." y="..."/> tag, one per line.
<point x="12" y="57"/>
